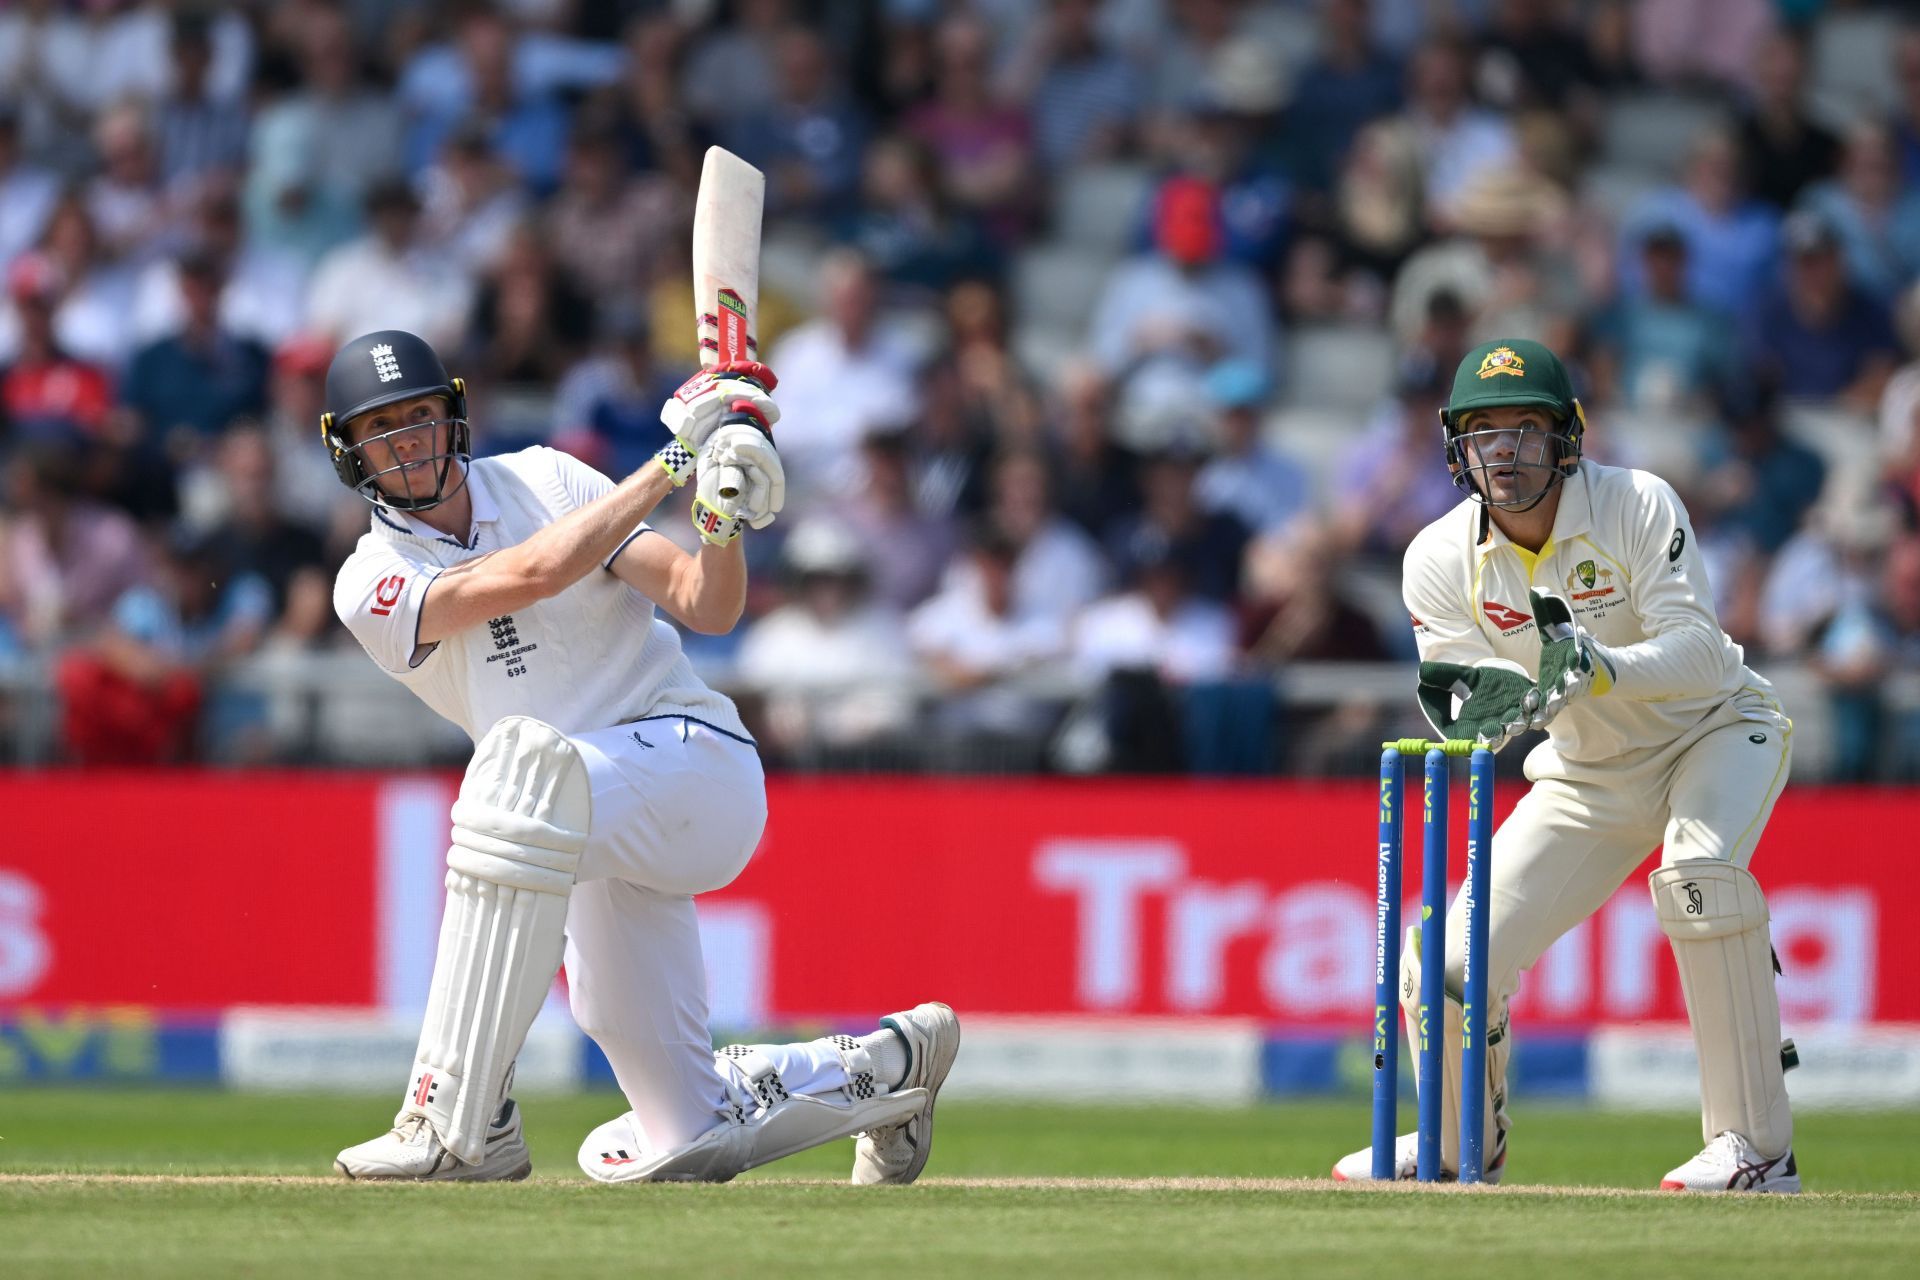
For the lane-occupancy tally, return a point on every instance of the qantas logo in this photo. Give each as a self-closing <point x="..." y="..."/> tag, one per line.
<point x="1505" y="617"/>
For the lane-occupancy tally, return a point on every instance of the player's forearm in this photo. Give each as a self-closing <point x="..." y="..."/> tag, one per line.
<point x="581" y="541"/>
<point x="1687" y="661"/>
<point x="713" y="588"/>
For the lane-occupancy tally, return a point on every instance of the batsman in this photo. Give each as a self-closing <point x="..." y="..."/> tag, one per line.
<point x="1570" y="596"/>
<point x="517" y="596"/>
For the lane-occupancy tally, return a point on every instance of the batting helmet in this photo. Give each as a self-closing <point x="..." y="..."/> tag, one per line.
<point x="380" y="369"/>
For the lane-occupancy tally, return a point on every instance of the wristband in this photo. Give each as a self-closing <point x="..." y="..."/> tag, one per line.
<point x="677" y="461"/>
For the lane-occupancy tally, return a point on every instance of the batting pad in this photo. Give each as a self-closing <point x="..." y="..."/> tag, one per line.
<point x="1452" y="1033"/>
<point x="1716" y="917"/>
<point x="519" y="825"/>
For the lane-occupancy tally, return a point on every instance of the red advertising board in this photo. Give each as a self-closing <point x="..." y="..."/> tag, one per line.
<point x="189" y="892"/>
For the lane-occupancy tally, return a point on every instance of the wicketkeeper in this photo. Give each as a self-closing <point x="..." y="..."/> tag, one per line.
<point x="1570" y="596"/>
<point x="516" y="596"/>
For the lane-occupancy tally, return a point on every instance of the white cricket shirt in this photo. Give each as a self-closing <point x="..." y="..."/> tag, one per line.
<point x="1623" y="555"/>
<point x="590" y="657"/>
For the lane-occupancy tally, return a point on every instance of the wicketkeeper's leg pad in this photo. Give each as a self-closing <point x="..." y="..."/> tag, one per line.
<point x="1452" y="1031"/>
<point x="519" y="826"/>
<point x="1716" y="918"/>
<point x="762" y="1122"/>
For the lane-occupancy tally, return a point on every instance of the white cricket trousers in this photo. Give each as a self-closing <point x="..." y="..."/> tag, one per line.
<point x="678" y="808"/>
<point x="1576" y="835"/>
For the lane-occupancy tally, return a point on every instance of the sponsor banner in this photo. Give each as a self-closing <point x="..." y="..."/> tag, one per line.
<point x="1656" y="1068"/>
<point x="113" y="1045"/>
<point x="329" y="1050"/>
<point x="1109" y="1060"/>
<point x="189" y="892"/>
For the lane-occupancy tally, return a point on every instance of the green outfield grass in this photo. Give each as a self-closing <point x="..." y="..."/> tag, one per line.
<point x="104" y="1182"/>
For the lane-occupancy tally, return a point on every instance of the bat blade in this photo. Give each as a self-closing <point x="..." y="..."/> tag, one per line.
<point x="726" y="268"/>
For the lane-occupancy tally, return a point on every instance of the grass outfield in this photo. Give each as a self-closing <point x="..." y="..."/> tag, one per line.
<point x="187" y="1183"/>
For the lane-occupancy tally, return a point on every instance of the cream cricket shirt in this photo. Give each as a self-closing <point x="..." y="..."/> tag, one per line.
<point x="591" y="657"/>
<point x="1623" y="555"/>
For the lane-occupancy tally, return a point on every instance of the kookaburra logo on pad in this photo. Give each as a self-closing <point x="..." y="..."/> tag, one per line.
<point x="384" y="364"/>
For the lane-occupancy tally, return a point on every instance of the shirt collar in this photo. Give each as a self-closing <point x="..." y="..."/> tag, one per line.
<point x="485" y="511"/>
<point x="1574" y="517"/>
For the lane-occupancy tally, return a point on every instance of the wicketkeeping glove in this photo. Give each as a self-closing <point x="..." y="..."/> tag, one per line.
<point x="1572" y="663"/>
<point x="1498" y="700"/>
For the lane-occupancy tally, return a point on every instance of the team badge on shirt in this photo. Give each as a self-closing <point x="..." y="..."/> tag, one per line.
<point x="1597" y="582"/>
<point x="1502" y="360"/>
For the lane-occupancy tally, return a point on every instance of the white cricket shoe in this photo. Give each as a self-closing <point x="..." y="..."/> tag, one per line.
<point x="412" y="1152"/>
<point x="898" y="1152"/>
<point x="1730" y="1163"/>
<point x="1358" y="1167"/>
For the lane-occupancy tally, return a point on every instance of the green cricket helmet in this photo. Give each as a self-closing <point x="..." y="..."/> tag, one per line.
<point x="1513" y="372"/>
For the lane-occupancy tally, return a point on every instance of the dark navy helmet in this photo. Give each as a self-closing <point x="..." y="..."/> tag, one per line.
<point x="380" y="369"/>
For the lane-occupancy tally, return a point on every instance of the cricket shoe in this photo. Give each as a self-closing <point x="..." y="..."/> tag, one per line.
<point x="1358" y="1167"/>
<point x="896" y="1153"/>
<point x="412" y="1152"/>
<point x="1730" y="1163"/>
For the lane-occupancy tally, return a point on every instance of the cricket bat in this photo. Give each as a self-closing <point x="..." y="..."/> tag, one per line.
<point x="726" y="269"/>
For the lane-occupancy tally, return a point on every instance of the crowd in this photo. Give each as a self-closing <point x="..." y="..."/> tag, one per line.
<point x="1110" y="332"/>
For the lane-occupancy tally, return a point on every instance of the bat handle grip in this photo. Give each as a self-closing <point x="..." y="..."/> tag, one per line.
<point x="733" y="482"/>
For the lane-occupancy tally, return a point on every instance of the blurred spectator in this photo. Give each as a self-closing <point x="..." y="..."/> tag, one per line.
<point x="1151" y="649"/>
<point x="1829" y="566"/>
<point x="841" y="376"/>
<point x="606" y="408"/>
<point x="1875" y="215"/>
<point x="200" y="133"/>
<point x="1660" y="350"/>
<point x="1690" y="40"/>
<point x="1095" y="478"/>
<point x="1393" y="481"/>
<point x="1057" y="568"/>
<point x="1159" y="625"/>
<point x="1906" y="123"/>
<point x="264" y="297"/>
<point x="833" y="666"/>
<point x="256" y="537"/>
<point x="1504" y="264"/>
<point x="608" y="228"/>
<point x="1899" y="413"/>
<point x="1083" y="98"/>
<point x="1871" y="636"/>
<point x="1818" y="337"/>
<point x="984" y="146"/>
<point x="1191" y="45"/>
<point x="136" y="218"/>
<point x="646" y="110"/>
<point x="1349" y="83"/>
<point x="27" y="192"/>
<point x="910" y="547"/>
<point x="1379" y="215"/>
<point x="1732" y="240"/>
<point x="731" y="69"/>
<point x="319" y="152"/>
<point x="64" y="559"/>
<point x="1247" y="478"/>
<point x="976" y="390"/>
<point x="1168" y="316"/>
<point x="133" y="696"/>
<point x="387" y="279"/>
<point x="91" y="299"/>
<point x="1756" y="487"/>
<point x="470" y="203"/>
<point x="1534" y="57"/>
<point x="1458" y="140"/>
<point x="809" y="142"/>
<point x="201" y="377"/>
<point x="974" y="641"/>
<point x="1782" y="147"/>
<point x="905" y="227"/>
<point x="1208" y="545"/>
<point x="1221" y="142"/>
<point x="479" y="83"/>
<point x="529" y="322"/>
<point x="305" y="488"/>
<point x="44" y="391"/>
<point x="1293" y="609"/>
